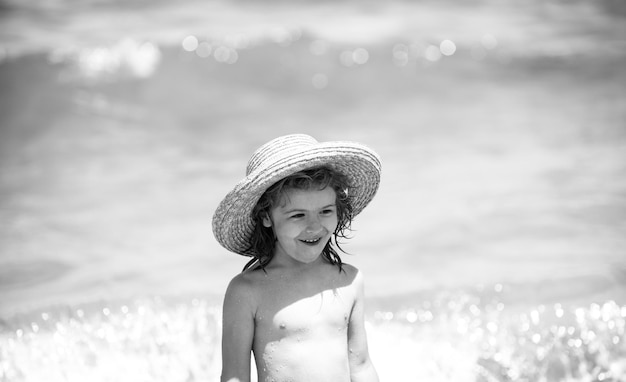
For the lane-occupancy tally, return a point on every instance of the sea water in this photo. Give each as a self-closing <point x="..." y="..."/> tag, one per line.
<point x="451" y="338"/>
<point x="494" y="250"/>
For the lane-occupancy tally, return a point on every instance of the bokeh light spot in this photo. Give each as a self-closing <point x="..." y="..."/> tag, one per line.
<point x="233" y="57"/>
<point x="190" y="43"/>
<point x="400" y="55"/>
<point x="319" y="81"/>
<point x="447" y="47"/>
<point x="282" y="36"/>
<point x="221" y="54"/>
<point x="346" y="58"/>
<point x="225" y="55"/>
<point x="412" y="317"/>
<point x="145" y="59"/>
<point x="204" y="50"/>
<point x="128" y="57"/>
<point x="489" y="41"/>
<point x="360" y="56"/>
<point x="432" y="53"/>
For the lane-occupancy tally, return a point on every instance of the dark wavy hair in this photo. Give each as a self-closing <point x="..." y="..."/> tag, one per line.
<point x="263" y="240"/>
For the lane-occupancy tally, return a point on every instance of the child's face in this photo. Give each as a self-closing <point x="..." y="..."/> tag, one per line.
<point x="303" y="222"/>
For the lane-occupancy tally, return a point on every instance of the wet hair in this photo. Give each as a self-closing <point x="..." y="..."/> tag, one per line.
<point x="263" y="240"/>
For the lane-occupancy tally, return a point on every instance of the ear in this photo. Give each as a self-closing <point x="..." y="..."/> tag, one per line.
<point x="267" y="222"/>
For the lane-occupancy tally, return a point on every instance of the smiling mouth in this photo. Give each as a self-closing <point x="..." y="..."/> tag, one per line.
<point x="312" y="241"/>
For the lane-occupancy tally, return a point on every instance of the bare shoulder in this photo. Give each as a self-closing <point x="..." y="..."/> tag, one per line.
<point x="353" y="274"/>
<point x="243" y="288"/>
<point x="246" y="281"/>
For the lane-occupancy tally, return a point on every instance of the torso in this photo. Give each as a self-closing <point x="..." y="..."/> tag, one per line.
<point x="301" y="323"/>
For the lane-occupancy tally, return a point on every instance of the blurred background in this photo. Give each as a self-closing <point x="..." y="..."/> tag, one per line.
<point x="498" y="234"/>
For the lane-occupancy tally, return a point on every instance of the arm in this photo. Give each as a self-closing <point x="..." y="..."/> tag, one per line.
<point x="237" y="331"/>
<point x="361" y="367"/>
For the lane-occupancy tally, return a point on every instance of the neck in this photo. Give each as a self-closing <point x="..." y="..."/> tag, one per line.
<point x="284" y="261"/>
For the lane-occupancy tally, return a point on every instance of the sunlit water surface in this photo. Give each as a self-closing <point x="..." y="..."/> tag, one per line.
<point x="494" y="251"/>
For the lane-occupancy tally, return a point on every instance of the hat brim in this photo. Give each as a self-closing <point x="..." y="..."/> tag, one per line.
<point x="233" y="224"/>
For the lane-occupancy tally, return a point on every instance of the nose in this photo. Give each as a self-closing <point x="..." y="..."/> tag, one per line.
<point x="313" y="225"/>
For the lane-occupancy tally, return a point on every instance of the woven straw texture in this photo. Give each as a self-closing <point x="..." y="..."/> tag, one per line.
<point x="281" y="157"/>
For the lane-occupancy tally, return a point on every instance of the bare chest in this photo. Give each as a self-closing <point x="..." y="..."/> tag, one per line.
<point x="290" y="313"/>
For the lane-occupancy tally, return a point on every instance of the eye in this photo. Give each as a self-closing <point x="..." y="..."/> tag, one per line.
<point x="297" y="216"/>
<point x="328" y="212"/>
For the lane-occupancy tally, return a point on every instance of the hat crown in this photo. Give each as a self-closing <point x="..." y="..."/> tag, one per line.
<point x="278" y="148"/>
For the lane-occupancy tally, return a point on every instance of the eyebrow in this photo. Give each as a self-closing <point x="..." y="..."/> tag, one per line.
<point x="304" y="210"/>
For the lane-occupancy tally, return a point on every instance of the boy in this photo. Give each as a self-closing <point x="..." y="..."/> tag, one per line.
<point x="296" y="306"/>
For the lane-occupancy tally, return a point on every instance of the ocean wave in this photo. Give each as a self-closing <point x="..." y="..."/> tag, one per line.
<point x="533" y="29"/>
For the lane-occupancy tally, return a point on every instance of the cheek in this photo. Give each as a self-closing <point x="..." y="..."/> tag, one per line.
<point x="332" y="224"/>
<point x="286" y="230"/>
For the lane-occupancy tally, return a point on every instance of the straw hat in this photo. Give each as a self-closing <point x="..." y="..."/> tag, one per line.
<point x="232" y="222"/>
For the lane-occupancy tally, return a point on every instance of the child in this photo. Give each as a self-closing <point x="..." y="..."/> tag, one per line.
<point x="296" y="305"/>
